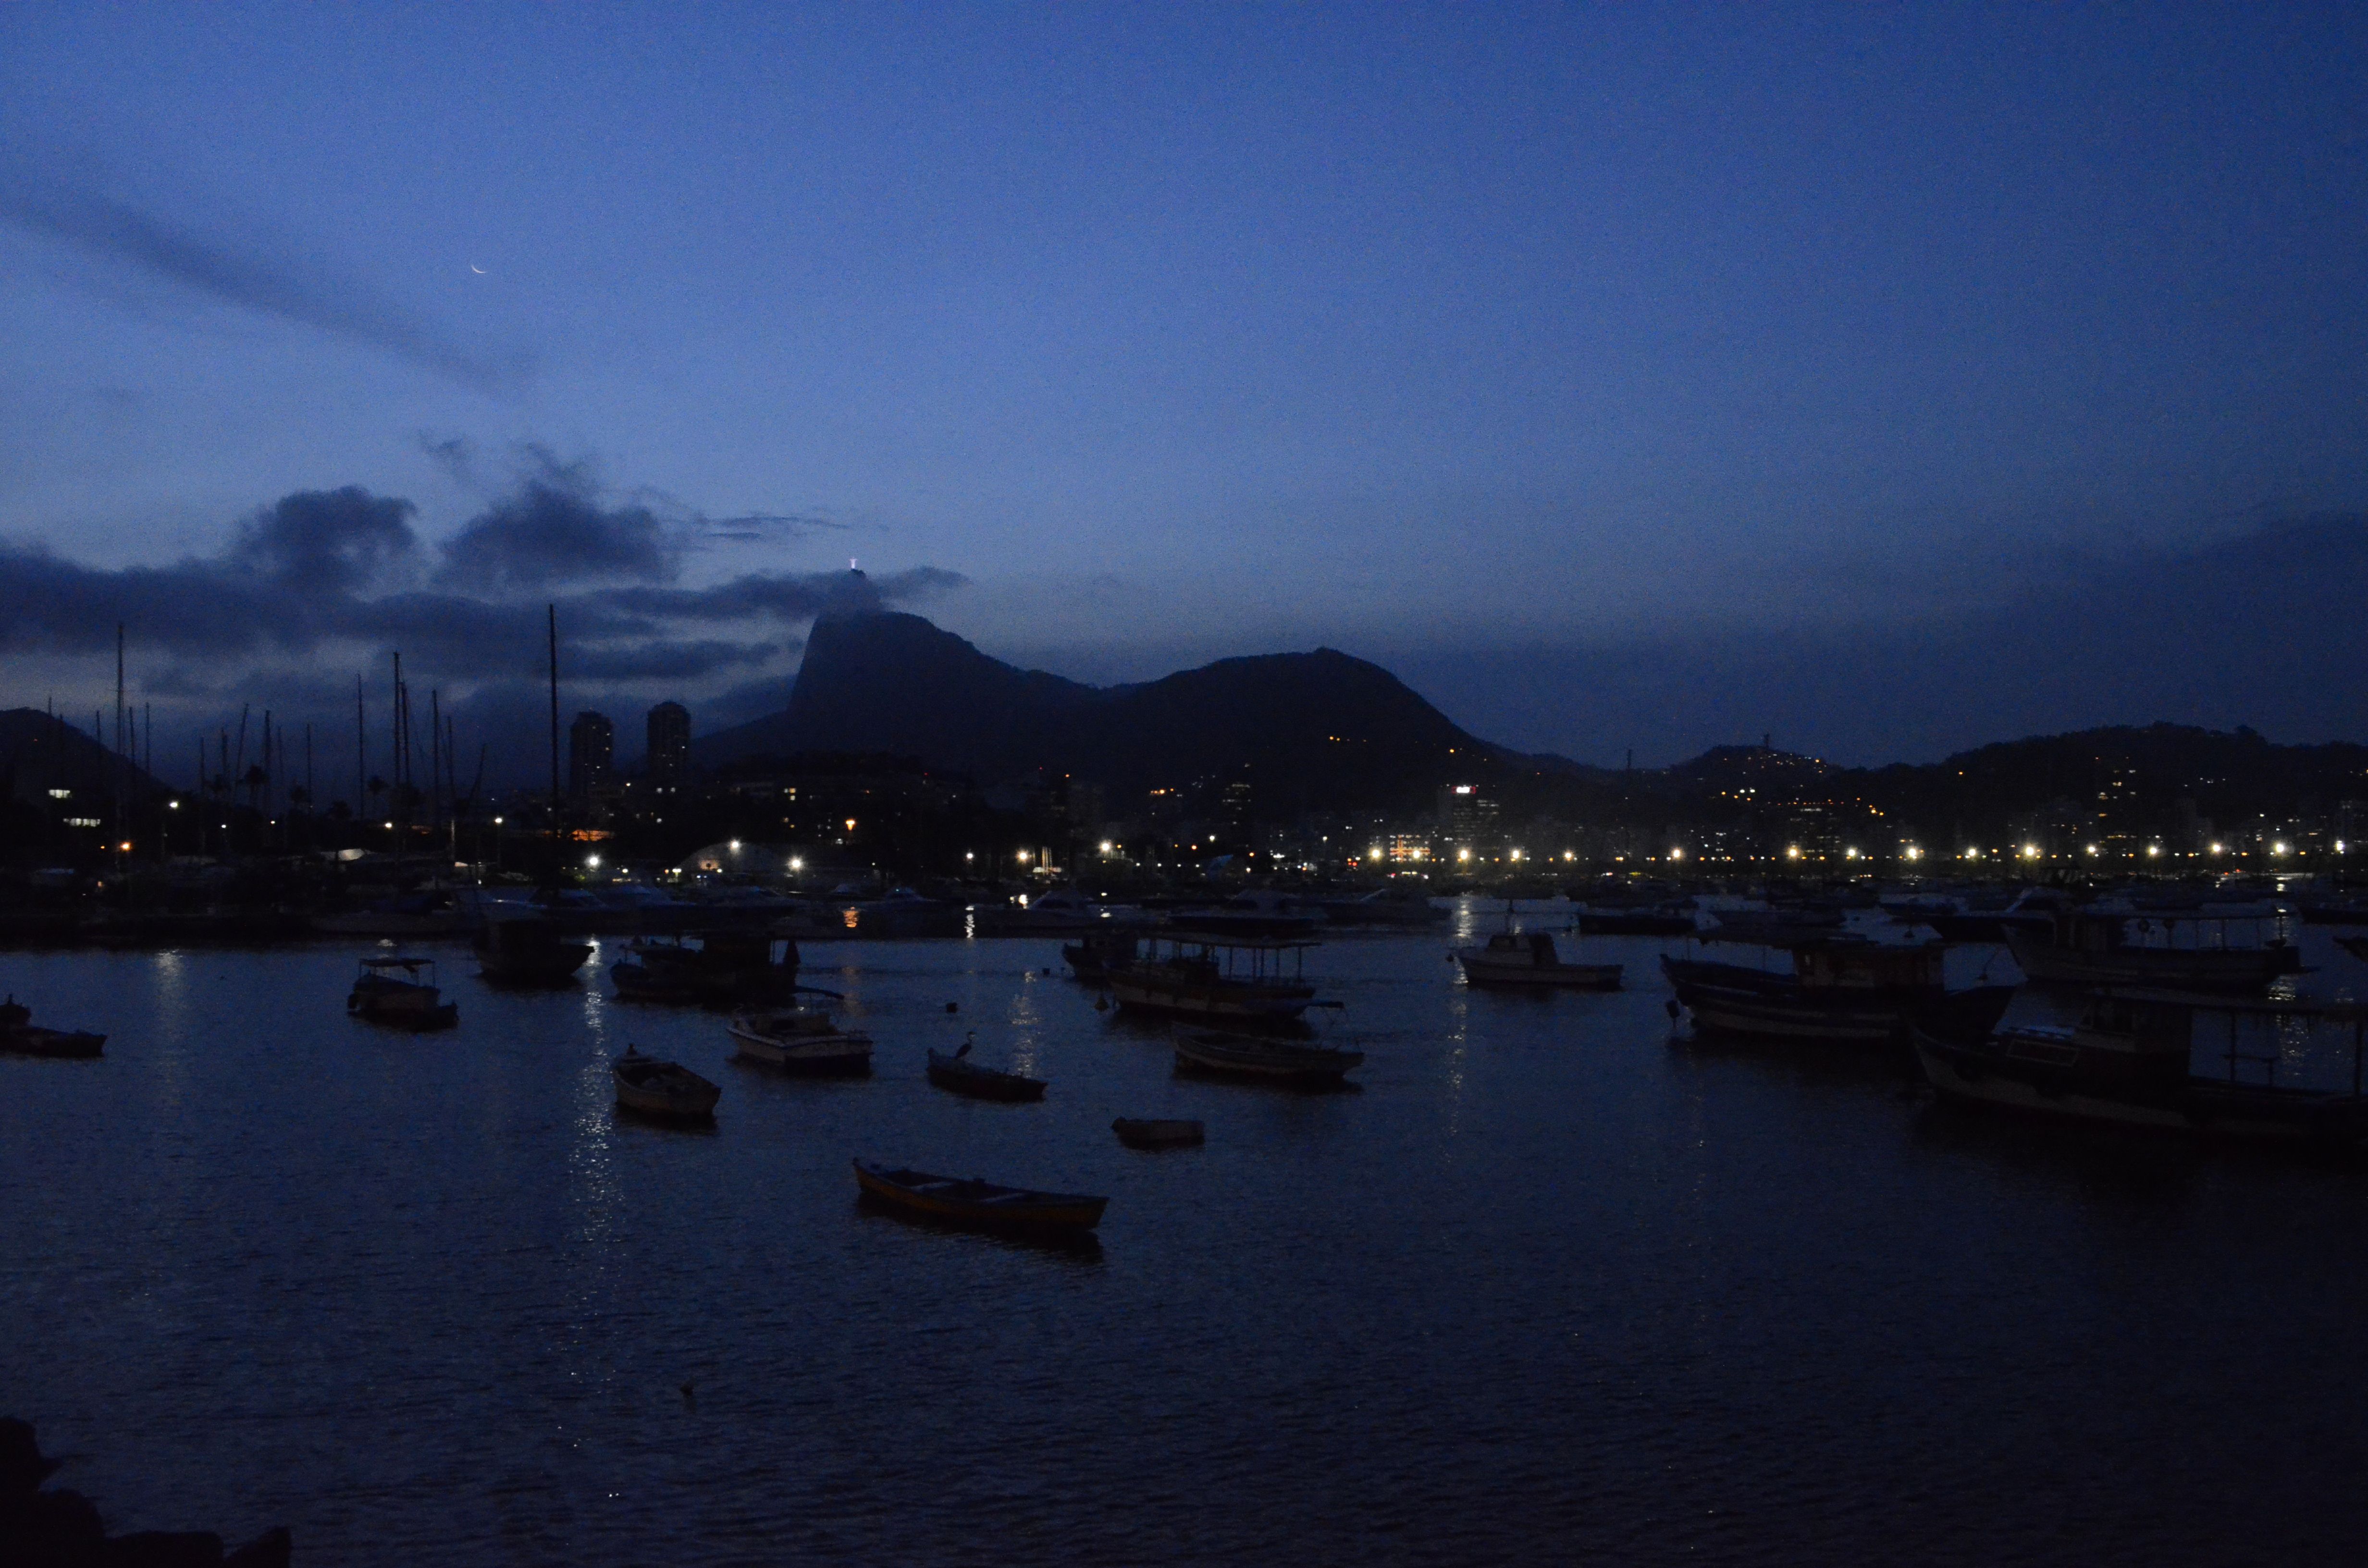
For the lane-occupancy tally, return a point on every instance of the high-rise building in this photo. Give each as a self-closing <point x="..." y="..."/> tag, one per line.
<point x="669" y="744"/>
<point x="591" y="751"/>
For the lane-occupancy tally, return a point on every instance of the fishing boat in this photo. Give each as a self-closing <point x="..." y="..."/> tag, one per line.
<point x="977" y="1201"/>
<point x="1091" y="956"/>
<point x="659" y="1088"/>
<point x="405" y="1003"/>
<point x="1855" y="991"/>
<point x="1529" y="960"/>
<point x="20" y="1036"/>
<point x="1137" y="1134"/>
<point x="726" y="968"/>
<point x="528" y="949"/>
<point x="2128" y="1063"/>
<point x="1240" y="980"/>
<point x="801" y="1039"/>
<point x="964" y="1076"/>
<point x="2097" y="947"/>
<point x="1254" y="1056"/>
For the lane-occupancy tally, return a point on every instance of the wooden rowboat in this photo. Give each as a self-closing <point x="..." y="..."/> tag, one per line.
<point x="965" y="1077"/>
<point x="663" y="1089"/>
<point x="1249" y="1056"/>
<point x="977" y="1202"/>
<point x="1140" y="1135"/>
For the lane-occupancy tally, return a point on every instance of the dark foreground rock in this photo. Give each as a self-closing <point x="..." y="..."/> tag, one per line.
<point x="62" y="1529"/>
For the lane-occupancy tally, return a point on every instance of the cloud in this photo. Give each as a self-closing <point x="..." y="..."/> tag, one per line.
<point x="337" y="539"/>
<point x="223" y="271"/>
<point x="320" y="568"/>
<point x="548" y="533"/>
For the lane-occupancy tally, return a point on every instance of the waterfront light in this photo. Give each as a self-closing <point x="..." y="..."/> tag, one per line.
<point x="177" y="806"/>
<point x="798" y="865"/>
<point x="1680" y="854"/>
<point x="592" y="862"/>
<point x="1915" y="853"/>
<point x="2215" y="849"/>
<point x="2031" y="851"/>
<point x="736" y="847"/>
<point x="1792" y="852"/>
<point x="2279" y="848"/>
<point x="1023" y="856"/>
<point x="2153" y="850"/>
<point x="1463" y="854"/>
<point x="1517" y="854"/>
<point x="497" y="822"/>
<point x="2092" y="848"/>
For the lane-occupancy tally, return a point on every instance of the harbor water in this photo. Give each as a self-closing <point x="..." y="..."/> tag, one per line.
<point x="1544" y="1286"/>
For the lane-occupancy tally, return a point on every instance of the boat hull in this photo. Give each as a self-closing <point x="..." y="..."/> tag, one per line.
<point x="818" y="1056"/>
<point x="1136" y="1134"/>
<point x="982" y="1082"/>
<point x="1479" y="970"/>
<point x="1180" y="999"/>
<point x="1275" y="1061"/>
<point x="1989" y="1077"/>
<point x="980" y="1204"/>
<point x="58" y="1045"/>
<point x="2172" y="968"/>
<point x="662" y="1090"/>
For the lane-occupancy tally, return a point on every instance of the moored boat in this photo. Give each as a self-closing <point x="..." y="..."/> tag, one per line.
<point x="528" y="949"/>
<point x="20" y="1036"/>
<point x="1238" y="981"/>
<point x="1253" y="1056"/>
<point x="2095" y="947"/>
<point x="405" y="1003"/>
<point x="1851" y="992"/>
<point x="964" y="1076"/>
<point x="659" y="1088"/>
<point x="2127" y="1063"/>
<point x="1092" y="956"/>
<point x="801" y="1039"/>
<point x="978" y="1202"/>
<point x="1660" y="922"/>
<point x="1529" y="959"/>
<point x="726" y="968"/>
<point x="1139" y="1134"/>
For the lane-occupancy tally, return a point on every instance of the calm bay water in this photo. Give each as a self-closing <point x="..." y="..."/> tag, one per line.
<point x="1546" y="1287"/>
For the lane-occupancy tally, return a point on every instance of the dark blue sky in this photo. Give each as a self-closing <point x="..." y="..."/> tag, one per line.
<point x="1514" y="348"/>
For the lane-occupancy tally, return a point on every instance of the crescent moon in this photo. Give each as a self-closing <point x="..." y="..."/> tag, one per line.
<point x="475" y="268"/>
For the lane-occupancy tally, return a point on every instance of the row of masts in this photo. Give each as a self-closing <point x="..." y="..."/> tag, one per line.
<point x="223" y="774"/>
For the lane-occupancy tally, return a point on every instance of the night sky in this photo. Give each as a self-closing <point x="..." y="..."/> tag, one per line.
<point x="1640" y="377"/>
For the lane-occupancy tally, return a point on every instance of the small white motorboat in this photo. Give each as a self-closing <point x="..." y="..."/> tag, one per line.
<point x="800" y="1040"/>
<point x="659" y="1088"/>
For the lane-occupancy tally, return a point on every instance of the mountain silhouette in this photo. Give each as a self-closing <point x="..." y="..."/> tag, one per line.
<point x="1319" y="728"/>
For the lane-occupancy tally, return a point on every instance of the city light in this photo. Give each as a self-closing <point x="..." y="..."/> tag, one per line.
<point x="177" y="806"/>
<point x="1849" y="854"/>
<point x="2092" y="848"/>
<point x="1023" y="856"/>
<point x="798" y="865"/>
<point x="1914" y="853"/>
<point x="2215" y="849"/>
<point x="1680" y="854"/>
<point x="1517" y="854"/>
<point x="1792" y="852"/>
<point x="2153" y="850"/>
<point x="1463" y="854"/>
<point x="736" y="847"/>
<point x="592" y="862"/>
<point x="2031" y="851"/>
<point x="1107" y="847"/>
<point x="850" y="824"/>
<point x="2279" y="848"/>
<point x="497" y="822"/>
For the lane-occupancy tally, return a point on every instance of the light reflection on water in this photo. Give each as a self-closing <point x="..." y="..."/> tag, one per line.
<point x="1548" y="1287"/>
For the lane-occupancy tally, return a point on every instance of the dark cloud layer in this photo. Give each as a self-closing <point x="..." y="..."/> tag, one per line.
<point x="239" y="275"/>
<point x="324" y="567"/>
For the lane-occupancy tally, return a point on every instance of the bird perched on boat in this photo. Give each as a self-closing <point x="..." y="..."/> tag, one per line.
<point x="968" y="1041"/>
